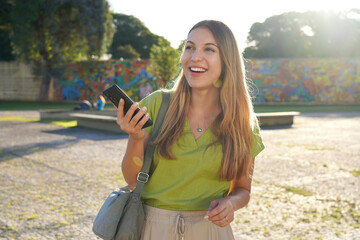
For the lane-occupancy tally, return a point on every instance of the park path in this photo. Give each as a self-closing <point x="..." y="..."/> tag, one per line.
<point x="305" y="186"/>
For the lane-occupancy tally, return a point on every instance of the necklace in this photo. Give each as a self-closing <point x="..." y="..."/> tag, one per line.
<point x="200" y="129"/>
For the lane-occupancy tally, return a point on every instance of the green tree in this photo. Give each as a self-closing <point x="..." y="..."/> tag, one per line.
<point x="308" y="34"/>
<point x="181" y="46"/>
<point x="164" y="61"/>
<point x="128" y="52"/>
<point x="129" y="30"/>
<point x="50" y="33"/>
<point x="5" y="29"/>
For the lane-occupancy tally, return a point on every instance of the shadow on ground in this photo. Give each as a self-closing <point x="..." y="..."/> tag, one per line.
<point x="75" y="133"/>
<point x="89" y="134"/>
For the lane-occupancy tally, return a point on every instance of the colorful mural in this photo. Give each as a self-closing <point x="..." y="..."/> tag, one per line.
<point x="314" y="81"/>
<point x="85" y="81"/>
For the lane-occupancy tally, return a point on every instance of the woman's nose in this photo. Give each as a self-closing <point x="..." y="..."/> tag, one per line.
<point x="197" y="55"/>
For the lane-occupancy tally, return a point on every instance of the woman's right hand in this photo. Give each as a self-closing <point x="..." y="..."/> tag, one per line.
<point x="132" y="126"/>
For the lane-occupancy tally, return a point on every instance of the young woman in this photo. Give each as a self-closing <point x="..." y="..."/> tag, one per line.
<point x="201" y="172"/>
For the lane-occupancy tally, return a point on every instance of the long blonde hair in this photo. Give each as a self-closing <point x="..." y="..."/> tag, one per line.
<point x="233" y="126"/>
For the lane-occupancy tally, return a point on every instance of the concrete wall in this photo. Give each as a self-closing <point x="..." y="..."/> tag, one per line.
<point x="296" y="81"/>
<point x="315" y="81"/>
<point x="82" y="81"/>
<point x="17" y="82"/>
<point x="299" y="81"/>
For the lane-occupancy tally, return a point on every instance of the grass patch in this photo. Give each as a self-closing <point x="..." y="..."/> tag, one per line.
<point x="62" y="223"/>
<point x="305" y="220"/>
<point x="33" y="105"/>
<point x="356" y="173"/>
<point x="32" y="216"/>
<point x="298" y="191"/>
<point x="247" y="221"/>
<point x="16" y="119"/>
<point x="65" y="124"/>
<point x="314" y="148"/>
<point x="336" y="214"/>
<point x="60" y="122"/>
<point x="259" y="108"/>
<point x="30" y="105"/>
<point x="266" y="231"/>
<point x="7" y="228"/>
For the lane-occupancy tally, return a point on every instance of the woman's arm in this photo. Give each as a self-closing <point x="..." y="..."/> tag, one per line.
<point x="138" y="139"/>
<point x="221" y="211"/>
<point x="133" y="159"/>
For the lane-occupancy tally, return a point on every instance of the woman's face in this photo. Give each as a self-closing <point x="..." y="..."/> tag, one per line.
<point x="201" y="60"/>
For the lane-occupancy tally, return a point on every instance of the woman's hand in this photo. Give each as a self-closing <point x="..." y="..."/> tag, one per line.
<point x="132" y="126"/>
<point x="221" y="212"/>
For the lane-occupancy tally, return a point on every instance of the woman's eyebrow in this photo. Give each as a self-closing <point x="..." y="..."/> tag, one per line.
<point x="191" y="42"/>
<point x="212" y="44"/>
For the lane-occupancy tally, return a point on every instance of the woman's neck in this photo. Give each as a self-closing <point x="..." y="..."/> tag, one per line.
<point x="205" y="102"/>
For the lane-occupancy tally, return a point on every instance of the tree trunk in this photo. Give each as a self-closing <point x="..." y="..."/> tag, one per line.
<point x="45" y="83"/>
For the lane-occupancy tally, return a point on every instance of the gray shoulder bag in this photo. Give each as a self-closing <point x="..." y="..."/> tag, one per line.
<point x="121" y="217"/>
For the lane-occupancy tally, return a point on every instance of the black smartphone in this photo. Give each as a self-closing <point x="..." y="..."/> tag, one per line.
<point x="115" y="93"/>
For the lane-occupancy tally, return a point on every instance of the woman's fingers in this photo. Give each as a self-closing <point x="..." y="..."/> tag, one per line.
<point x="221" y="212"/>
<point x="129" y="122"/>
<point x="224" y="221"/>
<point x="142" y="122"/>
<point x="135" y="121"/>
<point x="130" y="112"/>
<point x="223" y="218"/>
<point x="120" y="111"/>
<point x="216" y="207"/>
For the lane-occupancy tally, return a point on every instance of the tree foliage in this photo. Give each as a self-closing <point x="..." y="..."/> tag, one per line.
<point x="164" y="61"/>
<point x="5" y="29"/>
<point x="128" y="52"/>
<point x="129" y="30"/>
<point x="49" y="33"/>
<point x="308" y="34"/>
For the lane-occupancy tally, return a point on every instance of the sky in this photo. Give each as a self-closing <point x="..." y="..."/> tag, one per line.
<point x="173" y="19"/>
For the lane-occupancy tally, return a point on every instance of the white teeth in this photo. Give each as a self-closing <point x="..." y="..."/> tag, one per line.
<point x="197" y="69"/>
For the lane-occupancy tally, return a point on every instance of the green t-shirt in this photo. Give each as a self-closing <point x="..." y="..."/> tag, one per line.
<point x="191" y="181"/>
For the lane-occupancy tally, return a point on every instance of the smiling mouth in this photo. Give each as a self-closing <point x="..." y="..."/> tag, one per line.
<point x="197" y="69"/>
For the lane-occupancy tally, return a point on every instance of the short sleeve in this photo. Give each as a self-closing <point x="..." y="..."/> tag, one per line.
<point x="257" y="144"/>
<point x="152" y="102"/>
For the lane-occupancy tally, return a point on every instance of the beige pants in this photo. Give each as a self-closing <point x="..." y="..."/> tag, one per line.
<point x="163" y="224"/>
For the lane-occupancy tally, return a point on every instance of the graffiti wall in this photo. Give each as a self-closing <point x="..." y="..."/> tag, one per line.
<point x="85" y="81"/>
<point x="316" y="81"/>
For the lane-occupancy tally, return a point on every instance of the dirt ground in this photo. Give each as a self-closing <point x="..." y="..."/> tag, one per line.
<point x="306" y="182"/>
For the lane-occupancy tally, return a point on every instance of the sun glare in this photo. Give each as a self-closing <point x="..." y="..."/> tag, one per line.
<point x="173" y="24"/>
<point x="307" y="30"/>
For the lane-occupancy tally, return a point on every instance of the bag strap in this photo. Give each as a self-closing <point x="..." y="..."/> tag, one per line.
<point x="143" y="175"/>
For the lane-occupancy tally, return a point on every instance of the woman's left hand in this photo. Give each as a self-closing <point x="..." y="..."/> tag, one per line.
<point x="221" y="211"/>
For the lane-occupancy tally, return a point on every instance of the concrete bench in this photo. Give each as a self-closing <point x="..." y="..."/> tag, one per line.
<point x="99" y="122"/>
<point x="275" y="119"/>
<point x="108" y="123"/>
<point x="66" y="114"/>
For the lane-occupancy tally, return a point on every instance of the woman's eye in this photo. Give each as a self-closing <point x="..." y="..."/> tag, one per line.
<point x="188" y="47"/>
<point x="210" y="49"/>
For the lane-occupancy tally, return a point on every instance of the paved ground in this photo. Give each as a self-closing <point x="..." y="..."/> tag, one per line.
<point x="306" y="182"/>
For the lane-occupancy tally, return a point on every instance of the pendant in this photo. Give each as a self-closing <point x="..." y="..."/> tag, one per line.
<point x="199" y="129"/>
